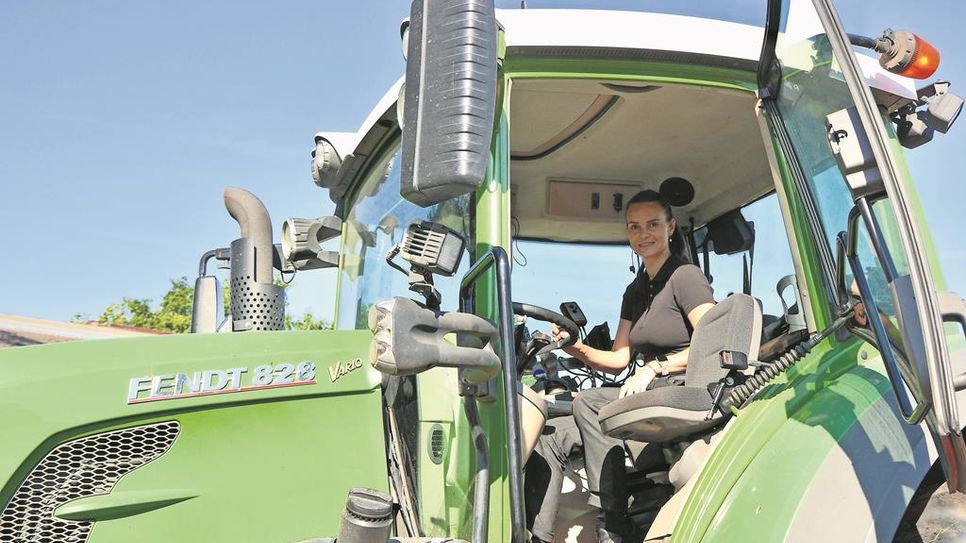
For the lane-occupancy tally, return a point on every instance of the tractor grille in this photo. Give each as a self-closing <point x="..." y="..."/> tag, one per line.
<point x="76" y="469"/>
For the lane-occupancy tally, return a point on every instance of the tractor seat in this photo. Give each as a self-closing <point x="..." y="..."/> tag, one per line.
<point x="672" y="413"/>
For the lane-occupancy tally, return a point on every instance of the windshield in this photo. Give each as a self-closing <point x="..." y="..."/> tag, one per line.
<point x="546" y="274"/>
<point x="377" y="218"/>
<point x="751" y="12"/>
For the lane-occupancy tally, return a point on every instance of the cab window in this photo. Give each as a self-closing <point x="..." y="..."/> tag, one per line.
<point x="377" y="220"/>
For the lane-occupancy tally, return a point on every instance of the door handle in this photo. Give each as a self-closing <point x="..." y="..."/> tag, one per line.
<point x="953" y="309"/>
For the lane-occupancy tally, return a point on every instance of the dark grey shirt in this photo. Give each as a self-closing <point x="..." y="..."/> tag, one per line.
<point x="659" y="307"/>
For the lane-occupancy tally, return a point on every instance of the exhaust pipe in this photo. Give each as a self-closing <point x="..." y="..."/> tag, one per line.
<point x="255" y="225"/>
<point x="256" y="302"/>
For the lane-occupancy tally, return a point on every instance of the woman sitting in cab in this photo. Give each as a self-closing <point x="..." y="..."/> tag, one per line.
<point x="660" y="309"/>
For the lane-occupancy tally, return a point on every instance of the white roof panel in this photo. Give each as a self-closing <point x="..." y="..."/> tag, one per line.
<point x="631" y="30"/>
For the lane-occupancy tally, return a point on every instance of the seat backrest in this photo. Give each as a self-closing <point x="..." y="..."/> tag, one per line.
<point x="733" y="325"/>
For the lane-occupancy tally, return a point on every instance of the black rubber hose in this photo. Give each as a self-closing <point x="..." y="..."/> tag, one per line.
<point x="862" y="41"/>
<point x="766" y="373"/>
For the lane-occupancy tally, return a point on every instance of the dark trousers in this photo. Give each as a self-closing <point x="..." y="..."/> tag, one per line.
<point x="603" y="461"/>
<point x="544" y="474"/>
<point x="603" y="455"/>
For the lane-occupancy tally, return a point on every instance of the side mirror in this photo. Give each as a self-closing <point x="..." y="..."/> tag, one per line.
<point x="450" y="98"/>
<point x="206" y="305"/>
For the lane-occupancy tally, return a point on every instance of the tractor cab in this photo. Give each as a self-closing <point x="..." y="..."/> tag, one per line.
<point x="779" y="152"/>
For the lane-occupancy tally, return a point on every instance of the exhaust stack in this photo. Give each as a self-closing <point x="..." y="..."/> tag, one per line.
<point x="256" y="302"/>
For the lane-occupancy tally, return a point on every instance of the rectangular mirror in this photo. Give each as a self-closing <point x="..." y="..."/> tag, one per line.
<point x="449" y="102"/>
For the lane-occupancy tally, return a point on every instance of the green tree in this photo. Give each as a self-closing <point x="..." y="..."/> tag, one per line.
<point x="307" y="322"/>
<point x="174" y="315"/>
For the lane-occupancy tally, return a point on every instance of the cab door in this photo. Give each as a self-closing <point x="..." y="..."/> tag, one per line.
<point x="843" y="157"/>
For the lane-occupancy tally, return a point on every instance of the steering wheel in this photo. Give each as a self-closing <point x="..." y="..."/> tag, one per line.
<point x="543" y="314"/>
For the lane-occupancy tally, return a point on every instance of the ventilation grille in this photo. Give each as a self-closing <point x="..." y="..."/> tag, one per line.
<point x="76" y="469"/>
<point x="256" y="306"/>
<point x="437" y="445"/>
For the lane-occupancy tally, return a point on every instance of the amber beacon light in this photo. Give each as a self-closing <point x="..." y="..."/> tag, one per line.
<point x="908" y="55"/>
<point x="902" y="52"/>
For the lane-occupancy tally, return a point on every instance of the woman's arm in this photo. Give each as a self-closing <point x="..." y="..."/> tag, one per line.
<point x="612" y="361"/>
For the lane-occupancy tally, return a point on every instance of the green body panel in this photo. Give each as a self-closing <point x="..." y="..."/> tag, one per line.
<point x="492" y="230"/>
<point x="120" y="504"/>
<point x="790" y="427"/>
<point x="443" y="485"/>
<point x="251" y="458"/>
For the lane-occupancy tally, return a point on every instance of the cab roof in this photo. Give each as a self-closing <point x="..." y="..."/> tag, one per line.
<point x="615" y="34"/>
<point x="630" y="30"/>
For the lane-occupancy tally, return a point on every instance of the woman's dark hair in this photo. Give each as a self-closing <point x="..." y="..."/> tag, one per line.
<point x="647" y="196"/>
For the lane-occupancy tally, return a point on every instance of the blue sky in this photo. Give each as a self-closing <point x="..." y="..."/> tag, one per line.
<point x="123" y="121"/>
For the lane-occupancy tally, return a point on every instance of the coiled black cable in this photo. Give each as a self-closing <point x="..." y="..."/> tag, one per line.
<point x="767" y="372"/>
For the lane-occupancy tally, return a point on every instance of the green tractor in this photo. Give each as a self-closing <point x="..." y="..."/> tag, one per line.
<point x="497" y="173"/>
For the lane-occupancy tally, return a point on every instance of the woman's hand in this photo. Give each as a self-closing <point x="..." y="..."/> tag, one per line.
<point x="559" y="334"/>
<point x="613" y="361"/>
<point x="638" y="382"/>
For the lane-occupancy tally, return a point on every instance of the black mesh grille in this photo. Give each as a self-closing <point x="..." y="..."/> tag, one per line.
<point x="76" y="469"/>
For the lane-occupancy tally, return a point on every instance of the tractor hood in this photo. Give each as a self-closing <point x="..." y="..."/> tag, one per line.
<point x="195" y="433"/>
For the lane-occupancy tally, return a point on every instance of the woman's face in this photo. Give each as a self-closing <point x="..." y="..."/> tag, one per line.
<point x="648" y="229"/>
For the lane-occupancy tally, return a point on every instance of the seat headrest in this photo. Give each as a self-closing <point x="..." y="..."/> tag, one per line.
<point x="732" y="325"/>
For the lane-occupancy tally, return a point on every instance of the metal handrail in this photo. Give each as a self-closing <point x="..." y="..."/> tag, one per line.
<point x="498" y="257"/>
